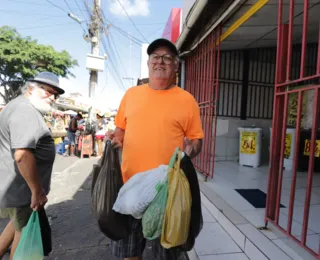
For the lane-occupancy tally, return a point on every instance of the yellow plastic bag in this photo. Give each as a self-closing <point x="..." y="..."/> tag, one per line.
<point x="176" y="221"/>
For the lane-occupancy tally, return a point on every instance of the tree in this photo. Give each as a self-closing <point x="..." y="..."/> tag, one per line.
<point x="22" y="58"/>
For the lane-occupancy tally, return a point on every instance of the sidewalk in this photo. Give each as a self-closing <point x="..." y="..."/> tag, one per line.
<point x="242" y="221"/>
<point x="214" y="242"/>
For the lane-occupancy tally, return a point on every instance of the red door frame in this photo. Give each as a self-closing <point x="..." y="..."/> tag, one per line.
<point x="202" y="81"/>
<point x="281" y="97"/>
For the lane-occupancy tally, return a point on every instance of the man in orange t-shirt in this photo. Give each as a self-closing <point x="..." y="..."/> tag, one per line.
<point x="152" y="121"/>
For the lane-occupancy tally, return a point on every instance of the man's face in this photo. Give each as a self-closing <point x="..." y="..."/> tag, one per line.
<point x="163" y="66"/>
<point x="43" y="98"/>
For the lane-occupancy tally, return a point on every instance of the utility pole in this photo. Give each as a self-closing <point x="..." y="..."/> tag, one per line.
<point x="94" y="32"/>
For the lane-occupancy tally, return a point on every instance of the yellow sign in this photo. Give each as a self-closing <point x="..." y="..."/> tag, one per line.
<point x="307" y="148"/>
<point x="293" y="108"/>
<point x="248" y="142"/>
<point x="287" y="150"/>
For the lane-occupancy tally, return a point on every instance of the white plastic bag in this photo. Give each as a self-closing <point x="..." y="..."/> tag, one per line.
<point x="139" y="191"/>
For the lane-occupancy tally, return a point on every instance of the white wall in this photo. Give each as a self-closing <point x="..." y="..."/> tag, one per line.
<point x="144" y="72"/>
<point x="228" y="138"/>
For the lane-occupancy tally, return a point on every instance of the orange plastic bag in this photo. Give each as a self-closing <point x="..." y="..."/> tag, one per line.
<point x="176" y="221"/>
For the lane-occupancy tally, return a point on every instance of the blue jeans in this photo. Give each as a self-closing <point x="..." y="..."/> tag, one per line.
<point x="72" y="138"/>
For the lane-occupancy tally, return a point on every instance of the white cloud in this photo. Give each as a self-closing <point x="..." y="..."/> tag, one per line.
<point x="132" y="7"/>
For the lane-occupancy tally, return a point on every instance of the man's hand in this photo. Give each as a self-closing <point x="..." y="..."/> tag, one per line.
<point x="192" y="147"/>
<point x="38" y="200"/>
<point x="116" y="137"/>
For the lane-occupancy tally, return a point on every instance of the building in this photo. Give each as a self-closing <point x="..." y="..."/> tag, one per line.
<point x="173" y="25"/>
<point x="257" y="64"/>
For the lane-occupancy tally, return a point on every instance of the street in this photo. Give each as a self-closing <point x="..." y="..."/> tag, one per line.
<point x="75" y="233"/>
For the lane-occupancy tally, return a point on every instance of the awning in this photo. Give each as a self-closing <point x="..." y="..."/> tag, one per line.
<point x="70" y="112"/>
<point x="71" y="107"/>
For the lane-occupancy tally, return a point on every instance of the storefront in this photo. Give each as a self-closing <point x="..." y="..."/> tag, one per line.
<point x="257" y="63"/>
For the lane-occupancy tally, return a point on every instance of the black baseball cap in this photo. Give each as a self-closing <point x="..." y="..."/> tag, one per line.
<point x="161" y="42"/>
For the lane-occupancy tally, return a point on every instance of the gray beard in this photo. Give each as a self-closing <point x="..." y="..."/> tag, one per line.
<point x="42" y="106"/>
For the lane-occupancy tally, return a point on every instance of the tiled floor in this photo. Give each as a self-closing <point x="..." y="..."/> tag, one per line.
<point x="214" y="242"/>
<point x="230" y="176"/>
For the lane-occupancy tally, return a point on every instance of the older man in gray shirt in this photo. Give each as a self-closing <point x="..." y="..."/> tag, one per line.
<point x="27" y="154"/>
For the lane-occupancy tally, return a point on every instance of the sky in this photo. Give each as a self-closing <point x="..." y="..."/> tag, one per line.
<point x="48" y="22"/>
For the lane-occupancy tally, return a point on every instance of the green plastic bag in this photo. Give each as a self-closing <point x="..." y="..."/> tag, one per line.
<point x="30" y="246"/>
<point x="153" y="217"/>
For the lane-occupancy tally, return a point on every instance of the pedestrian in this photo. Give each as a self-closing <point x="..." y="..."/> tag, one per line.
<point x="27" y="153"/>
<point x="100" y="132"/>
<point x="71" y="134"/>
<point x="152" y="121"/>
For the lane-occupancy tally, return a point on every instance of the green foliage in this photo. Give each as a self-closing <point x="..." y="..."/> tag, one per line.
<point x="22" y="58"/>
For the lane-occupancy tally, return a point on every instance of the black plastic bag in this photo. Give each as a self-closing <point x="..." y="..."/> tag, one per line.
<point x="106" y="184"/>
<point x="196" y="222"/>
<point x="45" y="232"/>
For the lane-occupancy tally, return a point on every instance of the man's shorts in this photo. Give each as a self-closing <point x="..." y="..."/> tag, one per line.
<point x="134" y="245"/>
<point x="72" y="138"/>
<point x="18" y="216"/>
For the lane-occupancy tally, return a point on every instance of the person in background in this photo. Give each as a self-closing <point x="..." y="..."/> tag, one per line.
<point x="100" y="133"/>
<point x="152" y="121"/>
<point x="27" y="153"/>
<point x="71" y="134"/>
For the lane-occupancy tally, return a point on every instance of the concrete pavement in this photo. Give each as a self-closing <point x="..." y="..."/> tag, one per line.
<point x="74" y="231"/>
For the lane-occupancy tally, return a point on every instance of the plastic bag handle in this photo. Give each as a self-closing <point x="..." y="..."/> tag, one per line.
<point x="174" y="157"/>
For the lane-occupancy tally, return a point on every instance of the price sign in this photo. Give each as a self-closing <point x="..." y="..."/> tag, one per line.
<point x="248" y="142"/>
<point x="307" y="148"/>
<point x="293" y="108"/>
<point x="87" y="146"/>
<point x="287" y="150"/>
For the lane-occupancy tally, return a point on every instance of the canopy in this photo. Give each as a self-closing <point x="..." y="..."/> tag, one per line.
<point x="70" y="112"/>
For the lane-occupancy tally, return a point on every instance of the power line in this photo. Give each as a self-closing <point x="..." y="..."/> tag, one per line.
<point x="120" y="41"/>
<point x="57" y="6"/>
<point x="155" y="31"/>
<point x="44" y="26"/>
<point x="17" y="12"/>
<point x="129" y="36"/>
<point x="24" y="2"/>
<point x="87" y="8"/>
<point x="124" y="33"/>
<point x="116" y="50"/>
<point x="132" y="21"/>
<point x="81" y="11"/>
<point x="110" y="59"/>
<point x="68" y="6"/>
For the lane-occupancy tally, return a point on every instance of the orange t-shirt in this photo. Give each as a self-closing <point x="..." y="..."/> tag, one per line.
<point x="155" y="124"/>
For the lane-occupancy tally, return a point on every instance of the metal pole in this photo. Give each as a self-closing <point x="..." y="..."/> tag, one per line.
<point x="95" y="39"/>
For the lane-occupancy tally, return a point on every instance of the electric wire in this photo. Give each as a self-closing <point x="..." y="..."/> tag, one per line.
<point x="115" y="74"/>
<point x="57" y="6"/>
<point x="132" y="21"/>
<point x="85" y="18"/>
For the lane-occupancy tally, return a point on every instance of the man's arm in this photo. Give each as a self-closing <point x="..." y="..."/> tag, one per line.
<point x="26" y="163"/>
<point x="193" y="147"/>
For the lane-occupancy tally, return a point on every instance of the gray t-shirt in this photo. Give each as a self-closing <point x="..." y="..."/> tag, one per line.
<point x="23" y="126"/>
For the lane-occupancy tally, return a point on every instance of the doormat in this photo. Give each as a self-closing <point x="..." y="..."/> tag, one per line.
<point x="255" y="197"/>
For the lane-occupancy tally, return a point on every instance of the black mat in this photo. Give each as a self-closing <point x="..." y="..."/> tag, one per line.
<point x="255" y="197"/>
